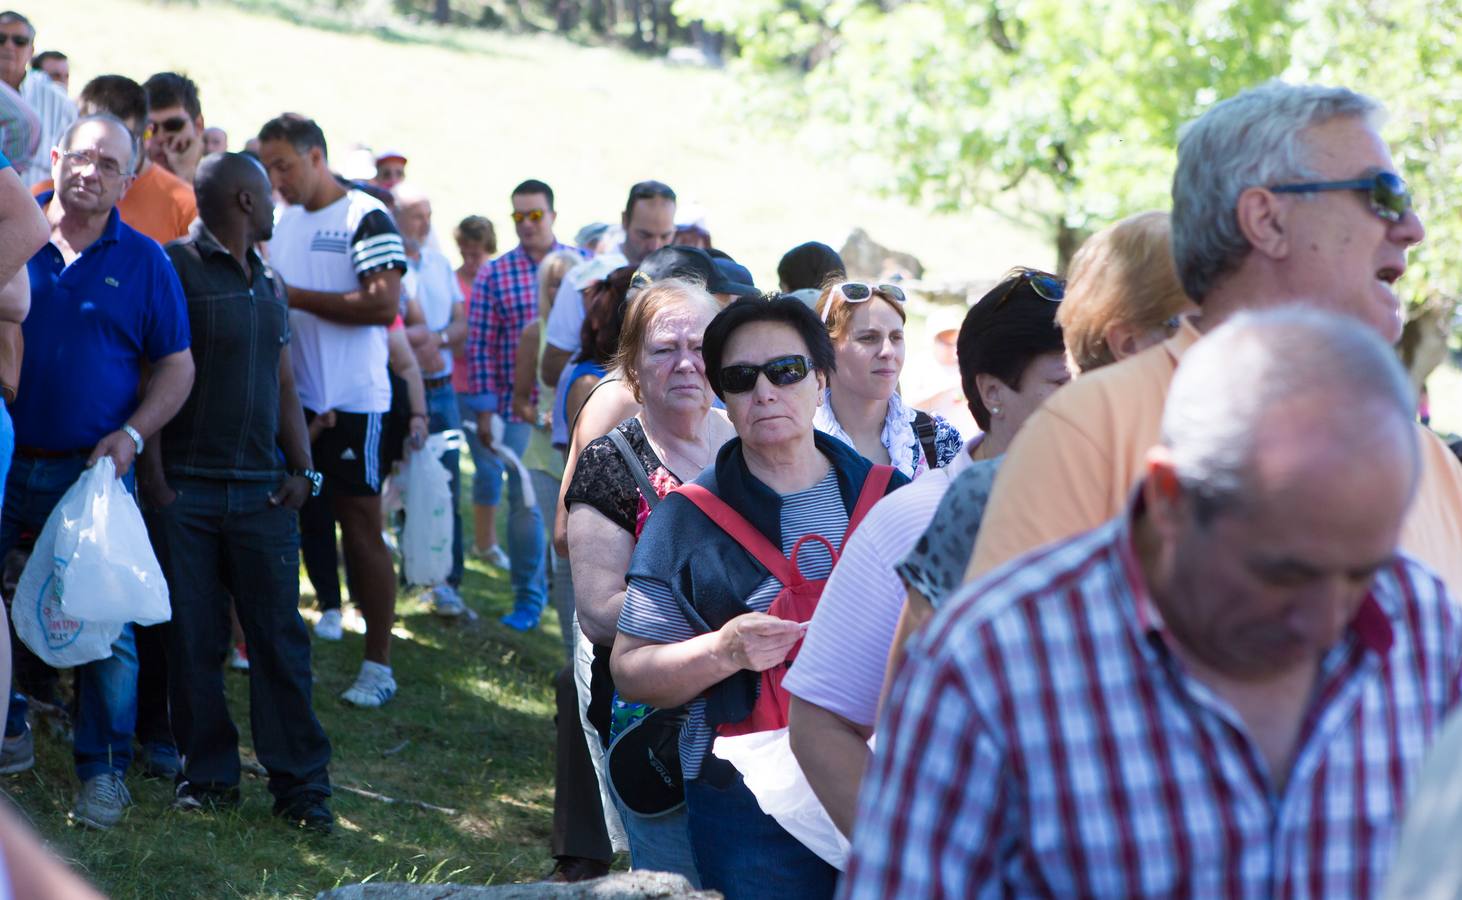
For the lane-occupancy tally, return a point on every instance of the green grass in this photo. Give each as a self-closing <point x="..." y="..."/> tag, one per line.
<point x="471" y="730"/>
<point x="478" y="112"/>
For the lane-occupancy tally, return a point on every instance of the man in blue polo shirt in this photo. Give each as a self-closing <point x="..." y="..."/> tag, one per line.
<point x="104" y="302"/>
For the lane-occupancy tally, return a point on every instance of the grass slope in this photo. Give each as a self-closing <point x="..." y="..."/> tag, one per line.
<point x="479" y="112"/>
<point x="471" y="730"/>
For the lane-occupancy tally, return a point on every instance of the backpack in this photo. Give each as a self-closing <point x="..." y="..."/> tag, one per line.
<point x="798" y="597"/>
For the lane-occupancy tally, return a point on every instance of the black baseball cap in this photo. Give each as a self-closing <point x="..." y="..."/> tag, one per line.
<point x="693" y="263"/>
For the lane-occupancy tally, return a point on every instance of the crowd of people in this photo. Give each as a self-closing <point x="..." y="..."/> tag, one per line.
<point x="1173" y="614"/>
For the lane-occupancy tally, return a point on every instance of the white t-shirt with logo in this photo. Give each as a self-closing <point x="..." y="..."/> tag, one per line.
<point x="337" y="366"/>
<point x="431" y="281"/>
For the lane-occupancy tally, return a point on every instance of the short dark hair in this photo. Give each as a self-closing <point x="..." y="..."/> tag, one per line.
<point x="534" y="186"/>
<point x="781" y="309"/>
<point x="167" y="89"/>
<point x="648" y="190"/>
<point x="45" y="56"/>
<point x="1008" y="328"/>
<point x="117" y="95"/>
<point x="300" y="131"/>
<point x="809" y="265"/>
<point x="10" y="17"/>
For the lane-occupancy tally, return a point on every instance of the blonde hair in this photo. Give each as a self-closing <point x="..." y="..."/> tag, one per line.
<point x="551" y="272"/>
<point x="642" y="312"/>
<point x="1123" y="273"/>
<point x="841" y="314"/>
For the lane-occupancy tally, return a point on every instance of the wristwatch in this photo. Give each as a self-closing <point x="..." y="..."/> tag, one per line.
<point x="442" y="335"/>
<point x="315" y="479"/>
<point x="135" y="435"/>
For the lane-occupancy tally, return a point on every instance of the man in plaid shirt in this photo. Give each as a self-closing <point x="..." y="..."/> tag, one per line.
<point x="1225" y="692"/>
<point x="504" y="301"/>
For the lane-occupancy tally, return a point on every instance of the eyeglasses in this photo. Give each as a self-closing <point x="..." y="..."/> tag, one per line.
<point x="19" y="40"/>
<point x="861" y="292"/>
<point x="1386" y="194"/>
<point x="80" y="159"/>
<point x="1046" y="286"/>
<point x="172" y="124"/>
<point x="782" y="371"/>
<point x="532" y="215"/>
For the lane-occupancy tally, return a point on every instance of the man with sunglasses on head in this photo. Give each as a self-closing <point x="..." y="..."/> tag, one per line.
<point x="1283" y="194"/>
<point x="105" y="301"/>
<point x="176" y="117"/>
<point x="504" y="301"/>
<point x="46" y="99"/>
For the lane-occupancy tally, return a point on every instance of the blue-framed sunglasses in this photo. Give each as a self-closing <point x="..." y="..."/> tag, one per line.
<point x="1386" y="194"/>
<point x="1046" y="286"/>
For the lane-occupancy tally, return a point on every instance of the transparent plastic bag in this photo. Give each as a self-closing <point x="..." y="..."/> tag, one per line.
<point x="426" y="540"/>
<point x="771" y="773"/>
<point x="105" y="563"/>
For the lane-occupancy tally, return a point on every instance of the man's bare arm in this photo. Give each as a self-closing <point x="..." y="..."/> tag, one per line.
<point x="374" y="304"/>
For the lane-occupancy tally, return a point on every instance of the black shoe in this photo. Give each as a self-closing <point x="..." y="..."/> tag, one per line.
<point x="307" y="811"/>
<point x="190" y="797"/>
<point x="577" y="868"/>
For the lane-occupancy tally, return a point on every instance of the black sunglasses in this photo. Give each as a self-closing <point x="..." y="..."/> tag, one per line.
<point x="172" y="124"/>
<point x="19" y="40"/>
<point x="1047" y="286"/>
<point x="1386" y="194"/>
<point x="782" y="371"/>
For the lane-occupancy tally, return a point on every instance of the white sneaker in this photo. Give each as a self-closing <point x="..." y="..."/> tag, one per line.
<point x="329" y="628"/>
<point x="494" y="556"/>
<point x="373" y="687"/>
<point x="447" y="602"/>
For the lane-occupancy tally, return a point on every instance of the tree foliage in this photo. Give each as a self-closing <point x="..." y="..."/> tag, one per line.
<point x="1064" y="114"/>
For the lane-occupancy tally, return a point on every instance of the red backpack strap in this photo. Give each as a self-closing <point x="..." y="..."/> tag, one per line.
<point x="874" y="487"/>
<point x="740" y="530"/>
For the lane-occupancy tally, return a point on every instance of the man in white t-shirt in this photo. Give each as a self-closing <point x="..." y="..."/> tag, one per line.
<point x="341" y="259"/>
<point x="431" y="281"/>
<point x="649" y="224"/>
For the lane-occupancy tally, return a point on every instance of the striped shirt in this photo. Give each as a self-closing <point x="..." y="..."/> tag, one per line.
<point x="504" y="302"/>
<point x="20" y="128"/>
<point x="651" y="613"/>
<point x="842" y="662"/>
<point x="55" y="111"/>
<point x="1044" y="741"/>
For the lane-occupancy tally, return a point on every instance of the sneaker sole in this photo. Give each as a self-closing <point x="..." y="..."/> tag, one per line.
<point x="17" y="768"/>
<point x="93" y="824"/>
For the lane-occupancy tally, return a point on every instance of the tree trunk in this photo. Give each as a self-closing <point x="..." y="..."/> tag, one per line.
<point x="442" y="12"/>
<point x="1068" y="241"/>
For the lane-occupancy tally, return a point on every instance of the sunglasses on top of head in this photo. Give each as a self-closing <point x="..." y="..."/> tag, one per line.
<point x="861" y="292"/>
<point x="1046" y="286"/>
<point x="1386" y="194"/>
<point x="532" y="215"/>
<point x="781" y="372"/>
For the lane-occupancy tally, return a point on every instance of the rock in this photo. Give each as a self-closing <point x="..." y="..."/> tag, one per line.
<point x="618" y="886"/>
<point x="867" y="260"/>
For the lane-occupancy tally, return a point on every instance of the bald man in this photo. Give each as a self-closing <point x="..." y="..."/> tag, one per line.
<point x="223" y="511"/>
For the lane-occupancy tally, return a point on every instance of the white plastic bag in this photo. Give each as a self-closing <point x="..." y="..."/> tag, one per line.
<point x="773" y="776"/>
<point x="426" y="541"/>
<point x="58" y="638"/>
<point x="104" y="560"/>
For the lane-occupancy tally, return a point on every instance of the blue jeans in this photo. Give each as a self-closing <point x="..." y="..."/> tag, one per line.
<point x="527" y="547"/>
<point x="106" y="701"/>
<point x="659" y="843"/>
<point x="487" y="484"/>
<point x="220" y="540"/>
<point x="443" y="415"/>
<point x="743" y="853"/>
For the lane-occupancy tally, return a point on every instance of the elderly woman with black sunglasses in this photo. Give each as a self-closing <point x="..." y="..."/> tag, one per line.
<point x="695" y="627"/>
<point x="863" y="406"/>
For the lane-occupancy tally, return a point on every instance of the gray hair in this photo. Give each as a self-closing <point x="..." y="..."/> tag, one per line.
<point x="1233" y="382"/>
<point x="1253" y="139"/>
<point x="134" y="143"/>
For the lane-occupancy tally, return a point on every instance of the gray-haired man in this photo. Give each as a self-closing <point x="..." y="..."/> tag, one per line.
<point x="1283" y="193"/>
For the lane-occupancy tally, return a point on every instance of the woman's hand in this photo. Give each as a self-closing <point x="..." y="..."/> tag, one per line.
<point x="757" y="641"/>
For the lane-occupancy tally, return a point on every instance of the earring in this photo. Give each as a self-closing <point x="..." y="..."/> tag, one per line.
<point x="994" y="410"/>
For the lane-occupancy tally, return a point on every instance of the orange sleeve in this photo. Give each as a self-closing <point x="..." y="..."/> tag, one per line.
<point x="1433" y="529"/>
<point x="1055" y="482"/>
